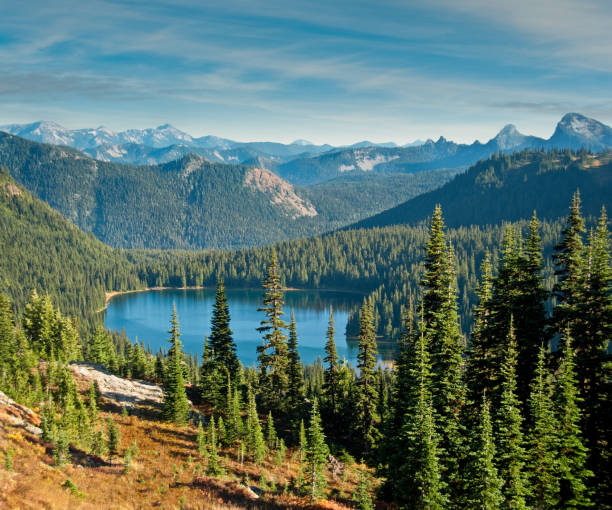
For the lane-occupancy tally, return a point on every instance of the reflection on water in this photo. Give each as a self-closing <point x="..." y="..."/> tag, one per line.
<point x="146" y="316"/>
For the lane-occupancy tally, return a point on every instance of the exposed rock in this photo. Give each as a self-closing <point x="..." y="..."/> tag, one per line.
<point x="123" y="392"/>
<point x="252" y="492"/>
<point x="18" y="415"/>
<point x="281" y="193"/>
<point x="335" y="466"/>
<point x="13" y="190"/>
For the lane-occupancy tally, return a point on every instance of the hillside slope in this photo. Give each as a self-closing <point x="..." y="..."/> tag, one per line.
<point x="510" y="188"/>
<point x="192" y="203"/>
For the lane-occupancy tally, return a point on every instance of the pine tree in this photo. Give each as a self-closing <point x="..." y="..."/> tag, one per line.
<point x="416" y="475"/>
<point x="480" y="371"/>
<point x="569" y="259"/>
<point x="316" y="455"/>
<point x="593" y="359"/>
<point x="255" y="439"/>
<point x="176" y="405"/>
<point x="542" y="467"/>
<point x="362" y="497"/>
<point x="302" y="441"/>
<point x="529" y="314"/>
<point x="330" y="385"/>
<point x="214" y="467"/>
<point x="511" y="454"/>
<point x="271" y="437"/>
<point x="113" y="439"/>
<point x="221" y="341"/>
<point x="441" y="329"/>
<point x="367" y="393"/>
<point x="273" y="356"/>
<point x="484" y="485"/>
<point x="201" y="440"/>
<point x="210" y="377"/>
<point x="573" y="474"/>
<point x="93" y="402"/>
<point x="295" y="391"/>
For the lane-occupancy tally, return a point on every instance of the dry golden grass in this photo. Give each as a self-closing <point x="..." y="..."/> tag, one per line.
<point x="166" y="473"/>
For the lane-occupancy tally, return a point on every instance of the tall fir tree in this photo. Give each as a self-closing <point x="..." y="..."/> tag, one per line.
<point x="484" y="486"/>
<point x="317" y="453"/>
<point x="480" y="369"/>
<point x="511" y="455"/>
<point x="441" y="329"/>
<point x="211" y="372"/>
<point x="542" y="465"/>
<point x="570" y="271"/>
<point x="221" y="341"/>
<point x="529" y="313"/>
<point x="256" y="444"/>
<point x="330" y="384"/>
<point x="273" y="354"/>
<point x="176" y="405"/>
<point x="414" y="468"/>
<point x="295" y="391"/>
<point x="573" y="474"/>
<point x="593" y="358"/>
<point x="367" y="392"/>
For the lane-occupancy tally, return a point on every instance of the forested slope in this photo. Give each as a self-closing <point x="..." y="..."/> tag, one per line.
<point x="192" y="203"/>
<point x="509" y="188"/>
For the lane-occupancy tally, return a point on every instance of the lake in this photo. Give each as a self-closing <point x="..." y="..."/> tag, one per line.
<point x="145" y="316"/>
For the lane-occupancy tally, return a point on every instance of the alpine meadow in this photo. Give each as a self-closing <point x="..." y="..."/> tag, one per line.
<point x="343" y="323"/>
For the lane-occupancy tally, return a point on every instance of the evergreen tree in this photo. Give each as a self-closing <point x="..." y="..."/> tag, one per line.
<point x="484" y="485"/>
<point x="255" y="439"/>
<point x="480" y="371"/>
<point x="573" y="474"/>
<point x="302" y="441"/>
<point x="542" y="467"/>
<point x="593" y="359"/>
<point x="214" y="467"/>
<point x="441" y="329"/>
<point x="93" y="402"/>
<point x="511" y="454"/>
<point x="273" y="355"/>
<point x="316" y="455"/>
<point x="210" y="377"/>
<point x="176" y="405"/>
<point x="570" y="271"/>
<point x="295" y="392"/>
<point x="201" y="440"/>
<point x="113" y="439"/>
<point x="330" y="386"/>
<point x="221" y="341"/>
<point x="413" y="477"/>
<point x="271" y="437"/>
<point x="367" y="393"/>
<point x="362" y="497"/>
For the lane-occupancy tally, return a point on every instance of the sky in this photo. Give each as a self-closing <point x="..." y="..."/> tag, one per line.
<point x="327" y="71"/>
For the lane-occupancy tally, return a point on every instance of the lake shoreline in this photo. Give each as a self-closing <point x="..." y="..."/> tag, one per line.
<point x="108" y="296"/>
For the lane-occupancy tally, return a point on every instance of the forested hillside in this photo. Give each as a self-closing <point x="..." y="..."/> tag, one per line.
<point x="41" y="254"/>
<point x="510" y="187"/>
<point x="191" y="203"/>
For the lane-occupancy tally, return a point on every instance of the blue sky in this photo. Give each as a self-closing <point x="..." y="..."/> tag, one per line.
<point x="330" y="71"/>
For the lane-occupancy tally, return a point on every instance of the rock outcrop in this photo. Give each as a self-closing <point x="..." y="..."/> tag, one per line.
<point x="121" y="392"/>
<point x="18" y="415"/>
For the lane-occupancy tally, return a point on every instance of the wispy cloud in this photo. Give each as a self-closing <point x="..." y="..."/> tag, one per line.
<point x="321" y="70"/>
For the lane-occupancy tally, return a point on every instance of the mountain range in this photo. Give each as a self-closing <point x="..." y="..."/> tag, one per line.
<point x="574" y="131"/>
<point x="302" y="162"/>
<point x="193" y="203"/>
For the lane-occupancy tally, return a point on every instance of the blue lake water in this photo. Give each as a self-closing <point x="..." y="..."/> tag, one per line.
<point x="145" y="316"/>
